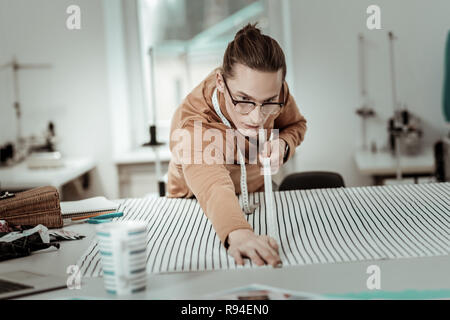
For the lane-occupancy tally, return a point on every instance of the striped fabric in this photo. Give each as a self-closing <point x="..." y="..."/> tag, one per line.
<point x="314" y="226"/>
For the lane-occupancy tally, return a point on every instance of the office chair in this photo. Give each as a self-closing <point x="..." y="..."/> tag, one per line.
<point x="442" y="159"/>
<point x="312" y="180"/>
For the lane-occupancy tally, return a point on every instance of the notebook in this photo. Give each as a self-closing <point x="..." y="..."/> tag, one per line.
<point x="87" y="207"/>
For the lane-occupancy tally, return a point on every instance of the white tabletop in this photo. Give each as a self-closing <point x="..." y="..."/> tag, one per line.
<point x="20" y="177"/>
<point x="144" y="155"/>
<point x="384" y="163"/>
<point x="429" y="273"/>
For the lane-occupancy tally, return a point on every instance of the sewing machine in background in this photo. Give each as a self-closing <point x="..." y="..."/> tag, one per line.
<point x="34" y="161"/>
<point x="406" y="159"/>
<point x="405" y="132"/>
<point x="44" y="154"/>
<point x="37" y="151"/>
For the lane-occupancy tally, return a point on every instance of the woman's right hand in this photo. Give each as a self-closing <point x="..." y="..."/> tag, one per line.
<point x="244" y="243"/>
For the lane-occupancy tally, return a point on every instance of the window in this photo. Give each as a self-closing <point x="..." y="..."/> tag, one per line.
<point x="184" y="40"/>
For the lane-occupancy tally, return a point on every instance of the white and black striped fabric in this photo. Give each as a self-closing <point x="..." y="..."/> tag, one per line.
<point x="314" y="226"/>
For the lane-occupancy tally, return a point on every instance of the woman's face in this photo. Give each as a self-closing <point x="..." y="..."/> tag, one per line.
<point x="253" y="85"/>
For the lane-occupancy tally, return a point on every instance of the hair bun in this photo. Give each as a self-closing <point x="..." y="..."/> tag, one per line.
<point x="249" y="30"/>
<point x="255" y="50"/>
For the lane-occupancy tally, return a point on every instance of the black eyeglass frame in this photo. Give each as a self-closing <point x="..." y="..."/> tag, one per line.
<point x="235" y="102"/>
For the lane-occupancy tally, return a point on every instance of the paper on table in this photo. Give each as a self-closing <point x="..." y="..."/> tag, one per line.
<point x="70" y="209"/>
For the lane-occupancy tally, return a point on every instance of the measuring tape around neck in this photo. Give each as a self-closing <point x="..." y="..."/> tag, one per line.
<point x="248" y="209"/>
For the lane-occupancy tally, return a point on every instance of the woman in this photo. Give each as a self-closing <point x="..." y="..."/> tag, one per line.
<point x="246" y="94"/>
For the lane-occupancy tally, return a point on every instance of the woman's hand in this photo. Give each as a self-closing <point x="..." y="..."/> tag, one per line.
<point x="275" y="150"/>
<point x="243" y="243"/>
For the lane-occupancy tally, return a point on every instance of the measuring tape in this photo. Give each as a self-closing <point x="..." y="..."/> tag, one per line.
<point x="268" y="193"/>
<point x="248" y="209"/>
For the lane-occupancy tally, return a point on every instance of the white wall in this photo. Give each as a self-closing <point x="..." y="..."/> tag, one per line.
<point x="74" y="93"/>
<point x="326" y="74"/>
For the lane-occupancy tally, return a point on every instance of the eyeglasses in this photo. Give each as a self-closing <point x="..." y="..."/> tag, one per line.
<point x="245" y="107"/>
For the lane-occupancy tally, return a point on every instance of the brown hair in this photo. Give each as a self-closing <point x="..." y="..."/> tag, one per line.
<point x="254" y="50"/>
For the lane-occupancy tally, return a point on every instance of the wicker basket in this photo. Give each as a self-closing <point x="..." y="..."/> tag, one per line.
<point x="33" y="207"/>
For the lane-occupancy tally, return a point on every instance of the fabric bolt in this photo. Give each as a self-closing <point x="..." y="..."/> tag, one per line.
<point x="313" y="226"/>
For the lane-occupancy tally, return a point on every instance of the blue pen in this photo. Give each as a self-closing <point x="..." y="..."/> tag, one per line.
<point x="108" y="216"/>
<point x="98" y="221"/>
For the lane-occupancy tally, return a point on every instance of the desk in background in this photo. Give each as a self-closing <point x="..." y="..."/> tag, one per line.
<point x="137" y="171"/>
<point x="19" y="177"/>
<point x="382" y="165"/>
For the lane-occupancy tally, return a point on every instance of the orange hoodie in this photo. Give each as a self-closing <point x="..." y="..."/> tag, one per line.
<point x="215" y="184"/>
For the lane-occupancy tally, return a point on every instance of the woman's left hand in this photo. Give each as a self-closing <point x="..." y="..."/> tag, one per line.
<point x="275" y="150"/>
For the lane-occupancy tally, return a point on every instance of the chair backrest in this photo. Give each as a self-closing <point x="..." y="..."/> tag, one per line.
<point x="312" y="180"/>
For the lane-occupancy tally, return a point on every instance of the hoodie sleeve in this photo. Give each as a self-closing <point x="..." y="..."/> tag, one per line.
<point x="291" y="123"/>
<point x="212" y="185"/>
